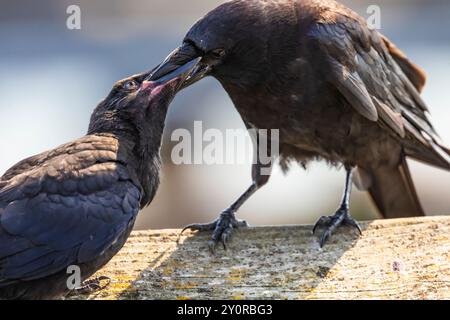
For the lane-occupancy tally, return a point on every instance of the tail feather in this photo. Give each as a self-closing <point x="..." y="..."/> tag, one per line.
<point x="392" y="190"/>
<point x="443" y="152"/>
<point x="434" y="153"/>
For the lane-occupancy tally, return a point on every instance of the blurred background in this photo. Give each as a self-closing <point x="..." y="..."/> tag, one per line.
<point x="51" y="78"/>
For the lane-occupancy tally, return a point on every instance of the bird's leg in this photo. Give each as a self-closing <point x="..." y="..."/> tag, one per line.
<point x="92" y="285"/>
<point x="342" y="215"/>
<point x="224" y="225"/>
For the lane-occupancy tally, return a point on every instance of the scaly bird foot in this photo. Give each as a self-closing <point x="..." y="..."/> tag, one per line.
<point x="92" y="285"/>
<point x="341" y="217"/>
<point x="222" y="228"/>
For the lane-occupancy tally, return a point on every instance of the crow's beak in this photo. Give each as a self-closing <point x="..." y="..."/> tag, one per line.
<point x="179" y="75"/>
<point x="176" y="63"/>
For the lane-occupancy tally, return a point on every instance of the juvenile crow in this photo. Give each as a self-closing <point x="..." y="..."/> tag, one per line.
<point x="336" y="89"/>
<point x="76" y="204"/>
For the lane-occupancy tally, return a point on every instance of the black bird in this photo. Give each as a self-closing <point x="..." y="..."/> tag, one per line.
<point x="336" y="89"/>
<point x="77" y="204"/>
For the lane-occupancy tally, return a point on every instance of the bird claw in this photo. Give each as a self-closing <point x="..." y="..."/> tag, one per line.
<point x="222" y="229"/>
<point x="200" y="227"/>
<point x="341" y="217"/>
<point x="92" y="285"/>
<point x="323" y="220"/>
<point x="349" y="221"/>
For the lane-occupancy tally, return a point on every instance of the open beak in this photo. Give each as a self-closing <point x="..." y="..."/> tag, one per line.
<point x="176" y="77"/>
<point x="175" y="64"/>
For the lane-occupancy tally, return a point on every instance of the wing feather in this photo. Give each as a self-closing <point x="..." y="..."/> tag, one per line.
<point x="377" y="80"/>
<point x="65" y="207"/>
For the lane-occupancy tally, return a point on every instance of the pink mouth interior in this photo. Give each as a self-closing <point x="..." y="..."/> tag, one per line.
<point x="156" y="88"/>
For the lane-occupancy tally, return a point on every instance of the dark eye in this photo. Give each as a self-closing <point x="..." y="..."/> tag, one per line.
<point x="130" y="85"/>
<point x="217" y="53"/>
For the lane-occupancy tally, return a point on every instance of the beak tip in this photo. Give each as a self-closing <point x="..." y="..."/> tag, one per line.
<point x="171" y="71"/>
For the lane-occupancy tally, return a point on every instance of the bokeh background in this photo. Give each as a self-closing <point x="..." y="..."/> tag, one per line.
<point x="51" y="78"/>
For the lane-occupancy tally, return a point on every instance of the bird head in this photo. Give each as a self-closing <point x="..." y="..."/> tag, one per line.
<point x="138" y="105"/>
<point x="231" y="42"/>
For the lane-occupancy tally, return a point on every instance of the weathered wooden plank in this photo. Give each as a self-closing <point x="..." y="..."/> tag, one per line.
<point x="394" y="259"/>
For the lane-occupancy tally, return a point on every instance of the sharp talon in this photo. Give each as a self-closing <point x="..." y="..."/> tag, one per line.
<point x="324" y="238"/>
<point x="315" y="227"/>
<point x="320" y="222"/>
<point x="104" y="278"/>
<point x="331" y="223"/>
<point x="354" y="224"/>
<point x="222" y="229"/>
<point x="181" y="233"/>
<point x="200" y="227"/>
<point x="224" y="241"/>
<point x="359" y="229"/>
<point x="226" y="236"/>
<point x="212" y="246"/>
<point x="184" y="229"/>
<point x="92" y="285"/>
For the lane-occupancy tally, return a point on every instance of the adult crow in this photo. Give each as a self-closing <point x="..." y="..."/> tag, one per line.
<point x="336" y="89"/>
<point x="76" y="204"/>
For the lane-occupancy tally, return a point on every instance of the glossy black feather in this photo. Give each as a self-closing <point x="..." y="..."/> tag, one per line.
<point x="64" y="207"/>
<point x="77" y="204"/>
<point x="336" y="89"/>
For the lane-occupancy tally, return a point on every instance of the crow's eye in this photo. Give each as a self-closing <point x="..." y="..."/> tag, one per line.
<point x="130" y="85"/>
<point x="217" y="53"/>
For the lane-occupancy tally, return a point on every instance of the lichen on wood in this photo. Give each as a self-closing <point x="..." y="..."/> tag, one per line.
<point x="393" y="259"/>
